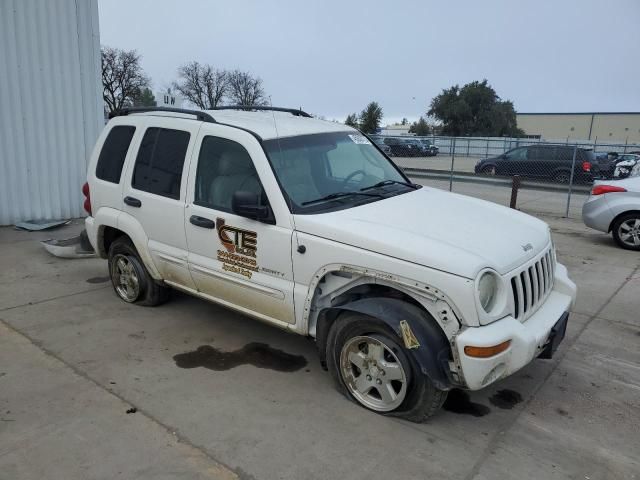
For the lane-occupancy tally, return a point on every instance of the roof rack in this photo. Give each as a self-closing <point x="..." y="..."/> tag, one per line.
<point x="202" y="116"/>
<point x="293" y="111"/>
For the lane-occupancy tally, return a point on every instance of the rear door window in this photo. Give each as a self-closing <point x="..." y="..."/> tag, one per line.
<point x="113" y="153"/>
<point x="160" y="162"/>
<point x="517" y="154"/>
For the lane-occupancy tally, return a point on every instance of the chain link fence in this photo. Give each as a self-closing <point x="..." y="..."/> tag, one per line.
<point x="527" y="173"/>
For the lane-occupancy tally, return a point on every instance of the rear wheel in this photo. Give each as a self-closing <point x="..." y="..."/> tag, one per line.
<point x="372" y="368"/>
<point x="129" y="277"/>
<point x="626" y="231"/>
<point x="562" y="177"/>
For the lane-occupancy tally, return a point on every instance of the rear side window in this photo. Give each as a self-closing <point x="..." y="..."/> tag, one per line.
<point x="160" y="162"/>
<point x="114" y="151"/>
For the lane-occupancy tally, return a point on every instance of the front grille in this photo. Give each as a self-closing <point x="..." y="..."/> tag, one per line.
<point x="531" y="285"/>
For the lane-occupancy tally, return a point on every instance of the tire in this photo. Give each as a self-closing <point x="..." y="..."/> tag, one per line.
<point x="626" y="231"/>
<point x="562" y="177"/>
<point x="488" y="170"/>
<point x="357" y="339"/>
<point x="130" y="279"/>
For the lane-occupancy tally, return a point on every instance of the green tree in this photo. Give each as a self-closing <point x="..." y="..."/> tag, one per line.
<point x="420" y="128"/>
<point x="144" y="98"/>
<point x="474" y="109"/>
<point x="404" y="121"/>
<point x="352" y="120"/>
<point x="370" y="118"/>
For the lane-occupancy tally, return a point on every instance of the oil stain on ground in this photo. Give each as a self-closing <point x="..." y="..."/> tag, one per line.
<point x="505" y="399"/>
<point x="97" y="279"/>
<point x="458" y="401"/>
<point x="259" y="355"/>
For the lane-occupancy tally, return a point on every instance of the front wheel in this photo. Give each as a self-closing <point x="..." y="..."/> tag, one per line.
<point x="372" y="368"/>
<point x="488" y="170"/>
<point x="626" y="231"/>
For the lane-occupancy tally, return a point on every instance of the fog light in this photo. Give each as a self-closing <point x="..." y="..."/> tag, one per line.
<point x="486" y="352"/>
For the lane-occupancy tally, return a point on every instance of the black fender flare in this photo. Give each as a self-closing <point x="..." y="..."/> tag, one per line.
<point x="433" y="353"/>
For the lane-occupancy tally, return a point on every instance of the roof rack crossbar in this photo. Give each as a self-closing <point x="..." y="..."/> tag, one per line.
<point x="298" y="112"/>
<point x="202" y="116"/>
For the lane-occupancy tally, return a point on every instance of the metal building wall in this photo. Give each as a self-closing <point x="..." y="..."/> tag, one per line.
<point x="50" y="105"/>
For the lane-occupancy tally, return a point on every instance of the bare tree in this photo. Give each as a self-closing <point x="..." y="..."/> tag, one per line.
<point x="122" y="77"/>
<point x="245" y="89"/>
<point x="202" y="85"/>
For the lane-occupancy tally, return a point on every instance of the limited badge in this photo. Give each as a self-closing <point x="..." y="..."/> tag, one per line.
<point x="410" y="340"/>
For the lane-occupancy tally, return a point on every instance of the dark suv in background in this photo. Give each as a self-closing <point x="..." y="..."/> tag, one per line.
<point x="430" y="150"/>
<point x="546" y="162"/>
<point x="404" y="147"/>
<point x="379" y="141"/>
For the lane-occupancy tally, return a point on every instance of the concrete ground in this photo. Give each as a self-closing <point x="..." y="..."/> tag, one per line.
<point x="74" y="360"/>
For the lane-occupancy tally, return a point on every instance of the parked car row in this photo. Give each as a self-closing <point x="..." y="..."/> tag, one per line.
<point x="406" y="146"/>
<point x="555" y="162"/>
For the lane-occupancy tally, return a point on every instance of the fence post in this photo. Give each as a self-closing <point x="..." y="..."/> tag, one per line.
<point x="625" y="145"/>
<point x="515" y="185"/>
<point x="573" y="168"/>
<point x="468" y="145"/>
<point x="486" y="154"/>
<point x="453" y="157"/>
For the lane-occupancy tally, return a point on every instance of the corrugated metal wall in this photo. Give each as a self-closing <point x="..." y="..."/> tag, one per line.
<point x="50" y="105"/>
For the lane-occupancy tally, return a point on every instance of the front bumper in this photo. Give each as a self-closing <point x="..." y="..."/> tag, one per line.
<point x="529" y="339"/>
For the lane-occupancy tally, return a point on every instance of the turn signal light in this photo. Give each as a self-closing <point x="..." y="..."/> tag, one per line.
<point x="486" y="352"/>
<point x="600" y="189"/>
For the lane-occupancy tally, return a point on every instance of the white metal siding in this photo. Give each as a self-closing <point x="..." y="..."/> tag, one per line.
<point x="50" y="105"/>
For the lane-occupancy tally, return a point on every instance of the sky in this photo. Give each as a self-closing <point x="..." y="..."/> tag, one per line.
<point x="332" y="57"/>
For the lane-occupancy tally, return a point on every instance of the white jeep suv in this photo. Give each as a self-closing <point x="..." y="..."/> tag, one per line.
<point x="409" y="291"/>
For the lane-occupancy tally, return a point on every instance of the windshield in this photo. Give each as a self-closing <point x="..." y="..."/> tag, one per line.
<point x="311" y="167"/>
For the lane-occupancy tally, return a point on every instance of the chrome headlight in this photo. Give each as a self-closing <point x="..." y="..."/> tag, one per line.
<point x="488" y="290"/>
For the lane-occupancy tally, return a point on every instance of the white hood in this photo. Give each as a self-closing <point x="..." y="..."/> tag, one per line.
<point x="446" y="231"/>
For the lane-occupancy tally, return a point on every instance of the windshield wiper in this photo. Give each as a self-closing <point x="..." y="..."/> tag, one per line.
<point x="390" y="182"/>
<point x="332" y="196"/>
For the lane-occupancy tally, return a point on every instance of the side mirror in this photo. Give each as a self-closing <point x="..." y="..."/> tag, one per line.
<point x="247" y="204"/>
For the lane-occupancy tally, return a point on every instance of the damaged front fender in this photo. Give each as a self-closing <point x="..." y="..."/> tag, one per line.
<point x="420" y="333"/>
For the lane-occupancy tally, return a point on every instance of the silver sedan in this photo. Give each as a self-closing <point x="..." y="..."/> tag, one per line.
<point x="614" y="206"/>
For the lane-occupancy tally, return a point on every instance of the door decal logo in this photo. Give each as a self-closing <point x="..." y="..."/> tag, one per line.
<point x="240" y="247"/>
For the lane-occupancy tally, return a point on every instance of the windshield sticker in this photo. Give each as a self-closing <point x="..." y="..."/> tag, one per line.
<point x="360" y="139"/>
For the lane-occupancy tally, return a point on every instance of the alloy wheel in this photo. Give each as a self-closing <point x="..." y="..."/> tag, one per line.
<point x="629" y="232"/>
<point x="373" y="373"/>
<point x="125" y="278"/>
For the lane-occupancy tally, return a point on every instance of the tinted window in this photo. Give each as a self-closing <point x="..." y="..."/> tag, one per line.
<point x="160" y="161"/>
<point x="565" y="154"/>
<point x="517" y="154"/>
<point x="541" y="153"/>
<point x="224" y="167"/>
<point x="114" y="151"/>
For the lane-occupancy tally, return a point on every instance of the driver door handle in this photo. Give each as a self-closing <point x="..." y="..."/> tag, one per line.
<point x="202" y="222"/>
